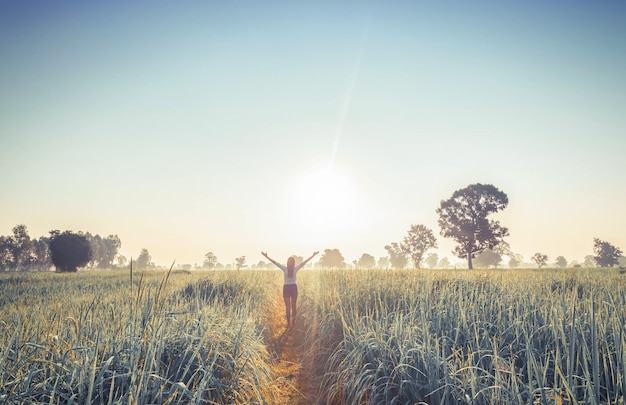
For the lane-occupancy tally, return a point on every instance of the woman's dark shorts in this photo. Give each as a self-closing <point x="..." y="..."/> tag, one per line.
<point x="290" y="291"/>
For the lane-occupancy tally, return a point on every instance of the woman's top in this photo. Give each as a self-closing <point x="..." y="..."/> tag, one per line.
<point x="289" y="280"/>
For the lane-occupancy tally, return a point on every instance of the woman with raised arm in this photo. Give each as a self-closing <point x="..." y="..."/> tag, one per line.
<point x="290" y="288"/>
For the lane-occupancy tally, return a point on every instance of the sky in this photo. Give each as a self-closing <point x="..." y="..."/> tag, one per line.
<point x="289" y="126"/>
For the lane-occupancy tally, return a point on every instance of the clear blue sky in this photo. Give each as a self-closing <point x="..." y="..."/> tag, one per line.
<point x="241" y="126"/>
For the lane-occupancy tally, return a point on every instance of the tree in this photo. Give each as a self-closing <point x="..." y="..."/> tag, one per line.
<point x="366" y="261"/>
<point x="241" y="262"/>
<point x="540" y="258"/>
<point x="332" y="258"/>
<point x="109" y="247"/>
<point x="463" y="218"/>
<point x="6" y="255"/>
<point x="298" y="259"/>
<point x="606" y="254"/>
<point x="418" y="240"/>
<point x="41" y="251"/>
<point x="144" y="260"/>
<point x="121" y="261"/>
<point x="488" y="258"/>
<point x="515" y="260"/>
<point x="432" y="260"/>
<point x="444" y="263"/>
<point x="69" y="251"/>
<point x="383" y="262"/>
<point x="590" y="262"/>
<point x="397" y="257"/>
<point x="560" y="262"/>
<point x="21" y="247"/>
<point x="210" y="260"/>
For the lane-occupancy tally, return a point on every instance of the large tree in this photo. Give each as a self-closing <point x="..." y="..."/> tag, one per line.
<point x="606" y="254"/>
<point x="69" y="251"/>
<point x="418" y="240"/>
<point x="463" y="218"/>
<point x="332" y="258"/>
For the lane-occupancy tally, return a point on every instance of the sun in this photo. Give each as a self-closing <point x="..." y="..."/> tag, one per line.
<point x="323" y="200"/>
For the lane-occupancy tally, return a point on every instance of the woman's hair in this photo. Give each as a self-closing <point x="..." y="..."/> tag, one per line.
<point x="291" y="263"/>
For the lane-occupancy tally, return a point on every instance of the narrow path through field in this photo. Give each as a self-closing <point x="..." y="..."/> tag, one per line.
<point x="293" y="362"/>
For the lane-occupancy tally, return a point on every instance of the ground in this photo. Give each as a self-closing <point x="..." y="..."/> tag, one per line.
<point x="292" y="358"/>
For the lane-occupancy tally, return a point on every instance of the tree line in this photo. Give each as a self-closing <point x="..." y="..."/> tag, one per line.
<point x="464" y="217"/>
<point x="18" y="251"/>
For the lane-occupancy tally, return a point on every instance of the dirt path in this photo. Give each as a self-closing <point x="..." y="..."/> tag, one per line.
<point x="292" y="363"/>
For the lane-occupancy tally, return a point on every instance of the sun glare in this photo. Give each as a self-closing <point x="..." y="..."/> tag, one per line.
<point x="324" y="201"/>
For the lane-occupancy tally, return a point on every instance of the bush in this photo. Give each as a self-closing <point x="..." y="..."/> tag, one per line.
<point x="69" y="251"/>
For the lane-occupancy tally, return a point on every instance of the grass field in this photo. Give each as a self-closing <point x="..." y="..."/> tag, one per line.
<point x="362" y="336"/>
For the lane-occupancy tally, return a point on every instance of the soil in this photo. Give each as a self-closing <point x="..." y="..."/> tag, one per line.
<point x="293" y="363"/>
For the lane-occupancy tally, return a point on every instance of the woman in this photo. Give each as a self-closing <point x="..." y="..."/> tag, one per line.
<point x="290" y="288"/>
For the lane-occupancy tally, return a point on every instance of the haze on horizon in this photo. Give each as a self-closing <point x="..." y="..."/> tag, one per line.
<point x="239" y="127"/>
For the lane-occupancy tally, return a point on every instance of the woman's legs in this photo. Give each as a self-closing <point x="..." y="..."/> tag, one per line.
<point x="294" y="299"/>
<point x="287" y="299"/>
<point x="290" y="295"/>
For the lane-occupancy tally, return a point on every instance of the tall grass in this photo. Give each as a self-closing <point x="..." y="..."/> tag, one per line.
<point x="439" y="337"/>
<point x="85" y="338"/>
<point x="471" y="337"/>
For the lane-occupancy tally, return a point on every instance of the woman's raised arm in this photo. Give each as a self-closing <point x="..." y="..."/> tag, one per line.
<point x="312" y="256"/>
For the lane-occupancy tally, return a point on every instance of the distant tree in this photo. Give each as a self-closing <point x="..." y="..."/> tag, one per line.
<point x="621" y="261"/>
<point x="463" y="218"/>
<point x="444" y="263"/>
<point x="109" y="247"/>
<point x="298" y="259"/>
<point x="210" y="260"/>
<point x="432" y="260"/>
<point x="417" y="241"/>
<point x="241" y="262"/>
<point x="383" y="262"/>
<point x="590" y="262"/>
<point x="560" y="262"/>
<point x="219" y="266"/>
<point x="366" y="261"/>
<point x="41" y="249"/>
<point x="144" y="261"/>
<point x="69" y="251"/>
<point x="540" y="259"/>
<point x="606" y="254"/>
<point x="332" y="258"/>
<point x="515" y="260"/>
<point x="397" y="257"/>
<point x="6" y="255"/>
<point x="261" y="265"/>
<point x="121" y="261"/>
<point x="21" y="248"/>
<point x="488" y="258"/>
